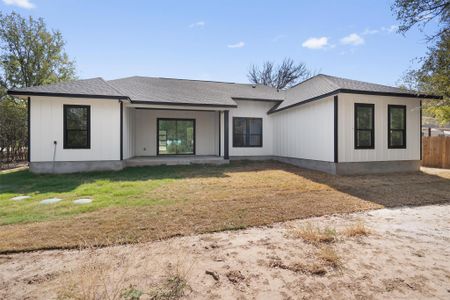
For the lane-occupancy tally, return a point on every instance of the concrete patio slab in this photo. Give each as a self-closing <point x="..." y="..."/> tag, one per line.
<point x="50" y="201"/>
<point x="20" y="198"/>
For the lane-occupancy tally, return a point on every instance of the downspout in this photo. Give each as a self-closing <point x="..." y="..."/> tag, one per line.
<point x="121" y="129"/>
<point x="29" y="129"/>
<point x="226" y="135"/>
<point x="336" y="130"/>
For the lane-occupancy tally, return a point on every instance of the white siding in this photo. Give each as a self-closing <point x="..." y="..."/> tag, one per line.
<point x="252" y="109"/>
<point x="206" y="130"/>
<point x="47" y="126"/>
<point x="347" y="151"/>
<point x="128" y="132"/>
<point x="305" y="131"/>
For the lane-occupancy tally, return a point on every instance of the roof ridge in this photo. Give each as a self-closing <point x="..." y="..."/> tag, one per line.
<point x="114" y="88"/>
<point x="329" y="81"/>
<point x="365" y="82"/>
<point x="195" y="80"/>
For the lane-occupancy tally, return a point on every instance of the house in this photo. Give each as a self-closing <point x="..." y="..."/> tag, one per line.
<point x="335" y="125"/>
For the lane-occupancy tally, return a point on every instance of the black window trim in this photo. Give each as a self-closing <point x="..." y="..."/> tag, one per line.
<point x="176" y="119"/>
<point x="65" y="108"/>
<point x="389" y="126"/>
<point x="372" y="141"/>
<point x="248" y="146"/>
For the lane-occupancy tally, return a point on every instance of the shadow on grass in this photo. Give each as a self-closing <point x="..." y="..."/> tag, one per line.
<point x="23" y="181"/>
<point x="389" y="190"/>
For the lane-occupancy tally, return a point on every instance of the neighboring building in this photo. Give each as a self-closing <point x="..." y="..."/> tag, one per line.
<point x="429" y="131"/>
<point x="327" y="123"/>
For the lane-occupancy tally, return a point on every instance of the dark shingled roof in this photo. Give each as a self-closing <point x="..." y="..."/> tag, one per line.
<point x="96" y="87"/>
<point x="322" y="85"/>
<point x="192" y="92"/>
<point x="154" y="90"/>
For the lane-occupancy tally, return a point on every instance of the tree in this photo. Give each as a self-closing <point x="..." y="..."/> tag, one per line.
<point x="433" y="76"/>
<point x="13" y="130"/>
<point x="282" y="76"/>
<point x="30" y="55"/>
<point x="420" y="13"/>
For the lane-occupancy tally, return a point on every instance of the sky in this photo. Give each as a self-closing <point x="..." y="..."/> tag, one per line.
<point x="219" y="40"/>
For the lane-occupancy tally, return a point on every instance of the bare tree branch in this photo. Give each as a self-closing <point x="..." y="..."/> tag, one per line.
<point x="285" y="75"/>
<point x="420" y="13"/>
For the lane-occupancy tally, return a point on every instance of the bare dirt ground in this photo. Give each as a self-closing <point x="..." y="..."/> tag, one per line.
<point x="386" y="253"/>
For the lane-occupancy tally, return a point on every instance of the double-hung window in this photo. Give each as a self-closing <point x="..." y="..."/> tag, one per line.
<point x="396" y="126"/>
<point x="364" y="126"/>
<point x="77" y="127"/>
<point x="247" y="132"/>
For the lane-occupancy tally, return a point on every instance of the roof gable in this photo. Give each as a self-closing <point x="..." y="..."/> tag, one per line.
<point x="321" y="86"/>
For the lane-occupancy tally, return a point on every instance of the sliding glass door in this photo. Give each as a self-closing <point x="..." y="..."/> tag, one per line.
<point x="176" y="136"/>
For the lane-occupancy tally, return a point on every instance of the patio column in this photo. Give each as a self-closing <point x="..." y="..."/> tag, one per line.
<point x="226" y="135"/>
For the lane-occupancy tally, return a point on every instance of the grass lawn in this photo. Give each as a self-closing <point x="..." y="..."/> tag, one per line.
<point x="142" y="204"/>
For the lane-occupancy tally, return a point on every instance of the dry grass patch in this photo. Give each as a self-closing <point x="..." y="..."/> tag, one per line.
<point x="174" y="287"/>
<point x="356" y="230"/>
<point x="113" y="274"/>
<point x="144" y="204"/>
<point x="95" y="279"/>
<point x="314" y="234"/>
<point x="300" y="267"/>
<point x="328" y="255"/>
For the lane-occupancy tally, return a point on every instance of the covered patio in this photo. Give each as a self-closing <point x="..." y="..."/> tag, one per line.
<point x="174" y="135"/>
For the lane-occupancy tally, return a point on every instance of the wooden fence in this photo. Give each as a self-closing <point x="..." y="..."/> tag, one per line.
<point x="10" y="158"/>
<point x="436" y="151"/>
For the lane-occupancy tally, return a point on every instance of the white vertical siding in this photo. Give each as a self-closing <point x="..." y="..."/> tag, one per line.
<point x="128" y="132"/>
<point x="47" y="126"/>
<point x="305" y="131"/>
<point x="206" y="130"/>
<point x="253" y="109"/>
<point x="347" y="151"/>
<point x="222" y="134"/>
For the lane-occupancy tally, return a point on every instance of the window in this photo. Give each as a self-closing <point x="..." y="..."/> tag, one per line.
<point x="176" y="136"/>
<point x="396" y="126"/>
<point x="364" y="126"/>
<point x="77" y="127"/>
<point x="247" y="132"/>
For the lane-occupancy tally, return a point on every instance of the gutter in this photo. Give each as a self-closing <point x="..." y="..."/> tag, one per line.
<point x="19" y="93"/>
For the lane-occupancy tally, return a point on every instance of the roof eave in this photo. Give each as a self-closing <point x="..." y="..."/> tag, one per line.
<point x="257" y="99"/>
<point x="183" y="103"/>
<point x="350" y="91"/>
<point x="393" y="94"/>
<point x="46" y="94"/>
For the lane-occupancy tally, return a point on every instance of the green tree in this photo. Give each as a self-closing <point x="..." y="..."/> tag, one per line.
<point x="420" y="12"/>
<point x="30" y="55"/>
<point x="433" y="76"/>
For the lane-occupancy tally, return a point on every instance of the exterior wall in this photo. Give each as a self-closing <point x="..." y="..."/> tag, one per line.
<point x="47" y="126"/>
<point x="128" y="132"/>
<point x="305" y="131"/>
<point x="253" y="109"/>
<point x="346" y="127"/>
<point x="206" y="130"/>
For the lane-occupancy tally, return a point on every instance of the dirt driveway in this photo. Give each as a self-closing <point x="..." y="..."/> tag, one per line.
<point x="387" y="253"/>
